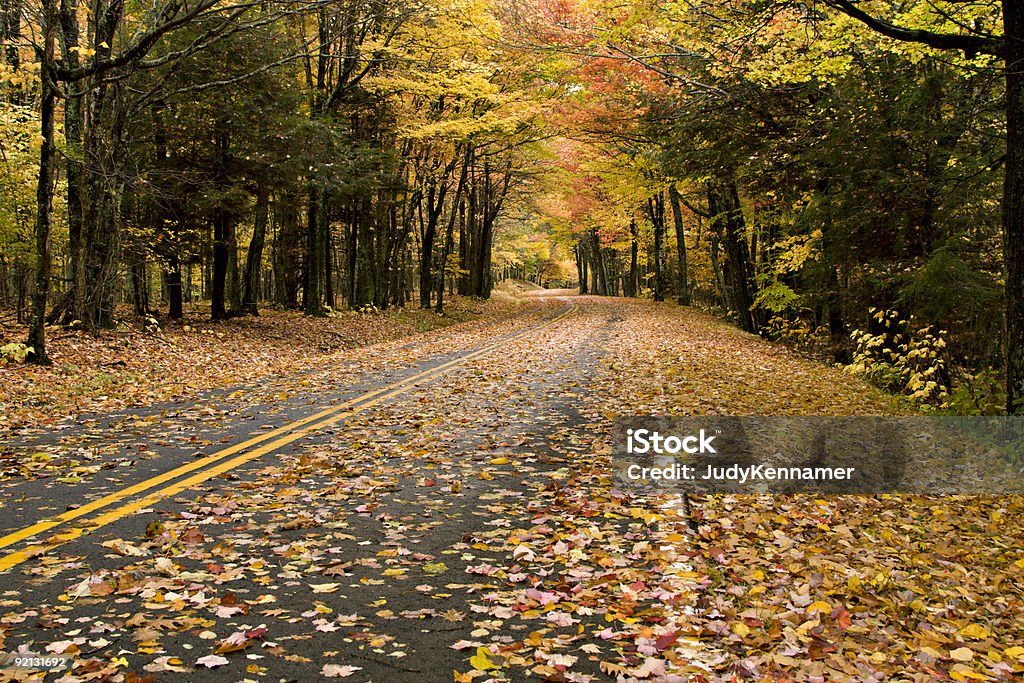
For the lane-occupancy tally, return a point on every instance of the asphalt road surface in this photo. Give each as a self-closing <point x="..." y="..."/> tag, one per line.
<point x="342" y="518"/>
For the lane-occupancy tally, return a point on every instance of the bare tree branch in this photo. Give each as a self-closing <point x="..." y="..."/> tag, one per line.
<point x="970" y="44"/>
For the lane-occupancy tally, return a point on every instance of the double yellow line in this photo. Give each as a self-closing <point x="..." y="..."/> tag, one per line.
<point x="217" y="463"/>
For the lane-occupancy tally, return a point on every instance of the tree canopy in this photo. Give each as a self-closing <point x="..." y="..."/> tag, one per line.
<point x="806" y="170"/>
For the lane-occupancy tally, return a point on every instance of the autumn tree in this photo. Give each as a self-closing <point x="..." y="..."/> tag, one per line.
<point x="973" y="31"/>
<point x="120" y="41"/>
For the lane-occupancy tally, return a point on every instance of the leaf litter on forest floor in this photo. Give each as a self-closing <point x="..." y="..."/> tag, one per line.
<point x="130" y="366"/>
<point x="556" y="574"/>
<point x="274" y="374"/>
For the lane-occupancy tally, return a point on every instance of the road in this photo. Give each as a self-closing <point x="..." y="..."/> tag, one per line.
<point x="387" y="515"/>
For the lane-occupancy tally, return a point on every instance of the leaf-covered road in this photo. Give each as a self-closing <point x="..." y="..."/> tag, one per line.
<point x="468" y="524"/>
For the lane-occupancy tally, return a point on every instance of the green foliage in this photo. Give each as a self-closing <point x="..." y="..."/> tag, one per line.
<point x="980" y="393"/>
<point x="902" y="358"/>
<point x="18" y="150"/>
<point x="15" y="352"/>
<point x="796" y="332"/>
<point x="947" y="287"/>
<point x="870" y="168"/>
<point x="532" y="247"/>
<point x="368" y="309"/>
<point x="793" y="253"/>
<point x="452" y="267"/>
<point x="777" y="297"/>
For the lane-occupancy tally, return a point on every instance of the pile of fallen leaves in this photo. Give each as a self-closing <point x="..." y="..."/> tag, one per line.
<point x="476" y="516"/>
<point x="138" y="364"/>
<point x="859" y="587"/>
<point x="760" y="588"/>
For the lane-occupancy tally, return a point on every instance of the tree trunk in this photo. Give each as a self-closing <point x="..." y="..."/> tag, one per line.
<point x="286" y="254"/>
<point x="364" y="292"/>
<point x="24" y="274"/>
<point x="223" y="227"/>
<point x="48" y="98"/>
<point x="494" y="198"/>
<point x="328" y="261"/>
<point x="234" y="279"/>
<point x="140" y="287"/>
<point x="598" y="265"/>
<point x="5" y="282"/>
<point x="836" y="324"/>
<point x="449" y="234"/>
<point x="484" y="278"/>
<point x="221" y="244"/>
<point x="254" y="256"/>
<point x="581" y="267"/>
<point x="172" y="280"/>
<point x="351" y="251"/>
<point x="102" y="182"/>
<point x="10" y="25"/>
<point x="716" y="265"/>
<point x="477" y="265"/>
<point x="631" y="287"/>
<point x="102" y="247"/>
<point x="316" y="253"/>
<point x="100" y="237"/>
<point x="656" y="208"/>
<point x="602" y="260"/>
<point x="1013" y="207"/>
<point x="449" y="244"/>
<point x="427" y="248"/>
<point x="728" y="222"/>
<point x="832" y="300"/>
<point x="73" y="125"/>
<point x="683" y="295"/>
<point x="467" y="232"/>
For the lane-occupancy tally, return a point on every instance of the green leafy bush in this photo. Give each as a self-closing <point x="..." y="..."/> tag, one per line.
<point x="902" y="359"/>
<point x="15" y="352"/>
<point x="777" y="297"/>
<point x="796" y="332"/>
<point x="980" y="393"/>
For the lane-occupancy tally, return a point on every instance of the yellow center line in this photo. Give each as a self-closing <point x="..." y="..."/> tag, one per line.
<point x="117" y="496"/>
<point x="302" y="428"/>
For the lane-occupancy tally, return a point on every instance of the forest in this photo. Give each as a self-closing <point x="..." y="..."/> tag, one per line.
<point x="839" y="176"/>
<point x="326" y="327"/>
